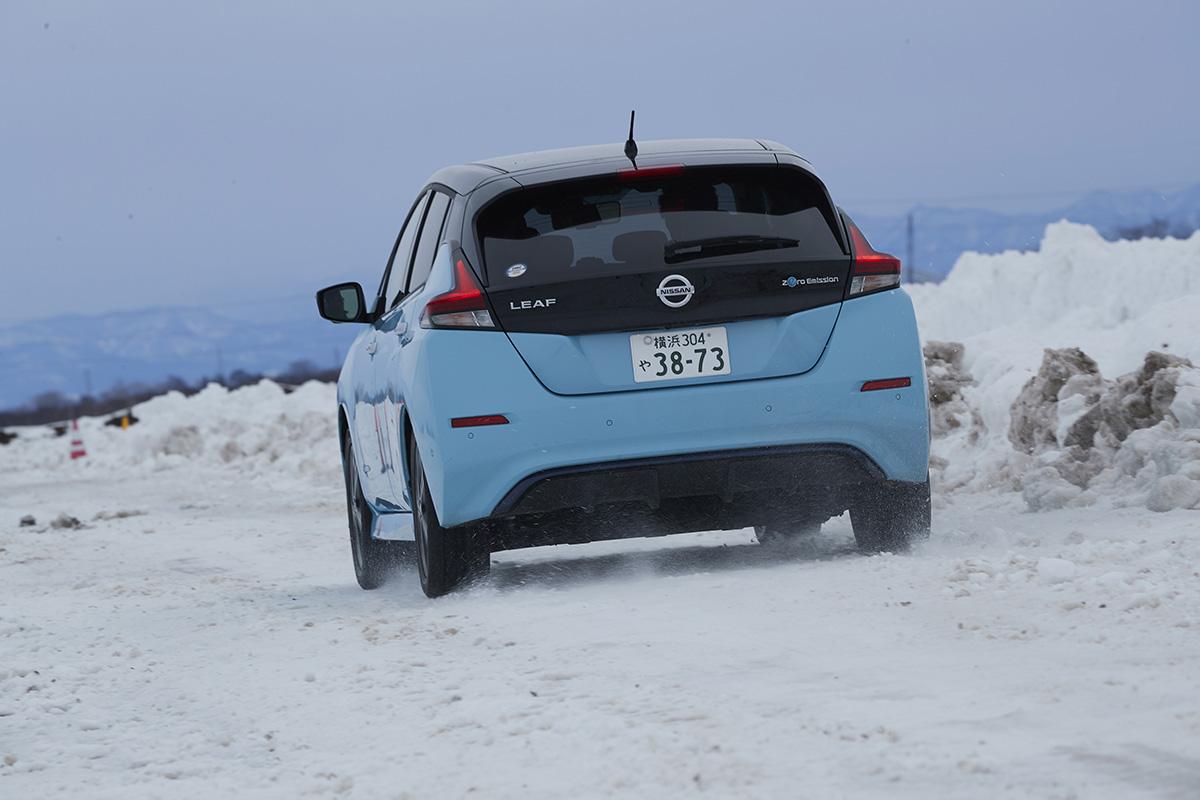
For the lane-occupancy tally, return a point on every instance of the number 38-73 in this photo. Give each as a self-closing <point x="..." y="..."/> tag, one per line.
<point x="675" y="362"/>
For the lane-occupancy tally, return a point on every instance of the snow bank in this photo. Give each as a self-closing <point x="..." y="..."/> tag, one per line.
<point x="1113" y="300"/>
<point x="1020" y="401"/>
<point x="1022" y="350"/>
<point x="1116" y="301"/>
<point x="258" y="430"/>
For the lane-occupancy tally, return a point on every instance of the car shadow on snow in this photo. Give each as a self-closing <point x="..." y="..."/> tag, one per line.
<point x="510" y="572"/>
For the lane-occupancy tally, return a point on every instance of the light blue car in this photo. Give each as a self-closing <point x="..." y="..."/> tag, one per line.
<point x="598" y="342"/>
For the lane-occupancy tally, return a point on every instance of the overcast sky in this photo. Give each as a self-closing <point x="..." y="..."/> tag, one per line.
<point x="195" y="153"/>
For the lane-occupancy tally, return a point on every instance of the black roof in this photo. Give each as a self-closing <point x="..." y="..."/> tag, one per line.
<point x="462" y="178"/>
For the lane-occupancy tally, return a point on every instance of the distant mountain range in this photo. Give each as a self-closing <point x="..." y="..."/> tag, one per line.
<point x="145" y="346"/>
<point x="942" y="234"/>
<point x="191" y="342"/>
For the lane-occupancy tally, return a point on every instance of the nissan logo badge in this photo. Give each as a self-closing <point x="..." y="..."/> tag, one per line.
<point x="675" y="291"/>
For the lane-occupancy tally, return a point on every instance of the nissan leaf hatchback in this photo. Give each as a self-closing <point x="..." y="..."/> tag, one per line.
<point x="573" y="345"/>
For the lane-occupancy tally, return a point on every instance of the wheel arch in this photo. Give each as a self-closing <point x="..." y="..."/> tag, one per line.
<point x="406" y="440"/>
<point x="343" y="427"/>
<point x="346" y="434"/>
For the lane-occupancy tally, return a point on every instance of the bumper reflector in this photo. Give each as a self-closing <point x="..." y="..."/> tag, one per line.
<point x="886" y="383"/>
<point x="475" y="422"/>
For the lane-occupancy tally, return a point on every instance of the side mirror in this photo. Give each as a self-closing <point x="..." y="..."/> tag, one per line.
<point x="342" y="302"/>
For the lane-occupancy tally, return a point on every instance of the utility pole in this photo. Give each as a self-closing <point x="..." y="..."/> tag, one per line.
<point x="220" y="367"/>
<point x="87" y="392"/>
<point x="912" y="267"/>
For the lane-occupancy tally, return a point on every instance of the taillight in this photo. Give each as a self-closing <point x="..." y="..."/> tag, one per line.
<point x="464" y="306"/>
<point x="873" y="270"/>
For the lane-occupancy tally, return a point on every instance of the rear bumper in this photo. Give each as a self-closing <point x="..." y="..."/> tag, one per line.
<point x="726" y="475"/>
<point x="496" y="471"/>
<point x="689" y="492"/>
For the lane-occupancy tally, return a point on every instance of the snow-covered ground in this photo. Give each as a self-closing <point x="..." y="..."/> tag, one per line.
<point x="199" y="632"/>
<point x="215" y="643"/>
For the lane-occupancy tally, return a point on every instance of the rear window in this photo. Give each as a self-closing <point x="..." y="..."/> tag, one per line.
<point x="627" y="223"/>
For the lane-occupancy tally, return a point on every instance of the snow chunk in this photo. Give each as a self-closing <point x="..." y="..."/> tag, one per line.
<point x="1118" y="438"/>
<point x="1055" y="570"/>
<point x="1066" y="376"/>
<point x="947" y="378"/>
<point x="1045" y="489"/>
<point x="1135" y="401"/>
<point x="1173" y="491"/>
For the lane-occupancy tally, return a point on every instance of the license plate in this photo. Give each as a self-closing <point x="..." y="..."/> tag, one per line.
<point x="677" y="354"/>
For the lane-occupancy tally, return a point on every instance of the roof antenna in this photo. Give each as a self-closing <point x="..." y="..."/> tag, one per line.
<point x="630" y="144"/>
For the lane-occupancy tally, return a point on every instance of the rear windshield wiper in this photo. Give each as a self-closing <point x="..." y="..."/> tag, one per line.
<point x="723" y="245"/>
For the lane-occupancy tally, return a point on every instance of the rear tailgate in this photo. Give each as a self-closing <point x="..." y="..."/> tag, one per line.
<point x="591" y="278"/>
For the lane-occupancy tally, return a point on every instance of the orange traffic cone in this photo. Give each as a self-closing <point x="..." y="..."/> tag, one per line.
<point x="77" y="450"/>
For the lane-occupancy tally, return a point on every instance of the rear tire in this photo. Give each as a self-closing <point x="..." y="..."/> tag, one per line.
<point x="445" y="557"/>
<point x="891" y="516"/>
<point x="374" y="559"/>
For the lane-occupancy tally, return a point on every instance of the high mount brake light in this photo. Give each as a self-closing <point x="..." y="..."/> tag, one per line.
<point x="635" y="174"/>
<point x="464" y="306"/>
<point x="873" y="271"/>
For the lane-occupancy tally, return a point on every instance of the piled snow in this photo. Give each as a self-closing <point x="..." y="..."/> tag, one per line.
<point x="1114" y="300"/>
<point x="1020" y="401"/>
<point x="1007" y="413"/>
<point x="255" y="430"/>
<point x="948" y="407"/>
<point x="1134" y="441"/>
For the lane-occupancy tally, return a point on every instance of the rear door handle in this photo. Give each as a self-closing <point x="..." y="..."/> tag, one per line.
<point x="372" y="346"/>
